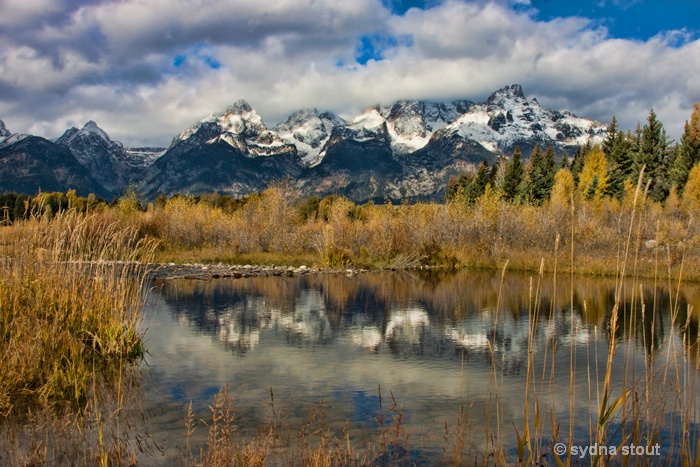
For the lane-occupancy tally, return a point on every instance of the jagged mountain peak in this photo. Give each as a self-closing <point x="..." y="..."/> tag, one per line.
<point x="308" y="130"/>
<point x="4" y="132"/>
<point x="370" y="118"/>
<point x="508" y="119"/>
<point x="298" y="118"/>
<point x="89" y="131"/>
<point x="237" y="119"/>
<point x="92" y="127"/>
<point x="404" y="107"/>
<point x="239" y="107"/>
<point x="511" y="92"/>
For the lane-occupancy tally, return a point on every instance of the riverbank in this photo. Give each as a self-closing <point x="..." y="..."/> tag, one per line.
<point x="648" y="267"/>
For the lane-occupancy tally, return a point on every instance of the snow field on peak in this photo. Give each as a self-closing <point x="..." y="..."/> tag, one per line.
<point x="506" y="119"/>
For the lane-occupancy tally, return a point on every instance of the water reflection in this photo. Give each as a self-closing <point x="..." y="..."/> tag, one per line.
<point x="410" y="314"/>
<point x="337" y="338"/>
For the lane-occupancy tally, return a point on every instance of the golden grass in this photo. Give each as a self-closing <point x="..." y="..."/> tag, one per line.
<point x="635" y="412"/>
<point x="275" y="227"/>
<point x="67" y="310"/>
<point x="71" y="291"/>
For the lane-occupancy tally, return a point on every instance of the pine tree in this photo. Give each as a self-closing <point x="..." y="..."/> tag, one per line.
<point x="458" y="186"/>
<point x="565" y="162"/>
<point x="653" y="154"/>
<point x="469" y="186"/>
<point x="478" y="183"/>
<point x="688" y="152"/>
<point x="608" y="142"/>
<point x="513" y="177"/>
<point x="579" y="158"/>
<point x="541" y="171"/>
<point x="619" y="157"/>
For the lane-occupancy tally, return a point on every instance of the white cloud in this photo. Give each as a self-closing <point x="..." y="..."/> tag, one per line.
<point x="23" y="11"/>
<point x="115" y="63"/>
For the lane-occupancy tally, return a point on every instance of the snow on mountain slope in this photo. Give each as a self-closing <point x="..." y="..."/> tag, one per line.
<point x="308" y="130"/>
<point x="368" y="125"/>
<point x="508" y="119"/>
<point x="7" y="137"/>
<point x="4" y="132"/>
<point x="143" y="157"/>
<point x="239" y="126"/>
<point x="12" y="139"/>
<point x="409" y="125"/>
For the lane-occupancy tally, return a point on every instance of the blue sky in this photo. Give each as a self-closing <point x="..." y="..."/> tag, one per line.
<point x="628" y="19"/>
<point x="146" y="70"/>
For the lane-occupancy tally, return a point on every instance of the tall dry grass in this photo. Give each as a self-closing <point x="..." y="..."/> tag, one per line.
<point x="277" y="227"/>
<point x="71" y="294"/>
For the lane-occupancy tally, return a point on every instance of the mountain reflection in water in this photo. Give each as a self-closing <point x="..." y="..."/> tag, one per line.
<point x="434" y="339"/>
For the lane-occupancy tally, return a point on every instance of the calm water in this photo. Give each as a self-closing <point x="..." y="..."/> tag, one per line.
<point x="433" y="340"/>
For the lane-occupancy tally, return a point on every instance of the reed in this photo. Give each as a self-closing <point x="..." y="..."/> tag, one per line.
<point x="71" y="293"/>
<point x="72" y="287"/>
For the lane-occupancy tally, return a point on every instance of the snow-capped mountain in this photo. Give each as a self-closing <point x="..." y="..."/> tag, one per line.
<point x="408" y="149"/>
<point x="308" y="131"/>
<point x="508" y="119"/>
<point x="4" y="132"/>
<point x="109" y="162"/>
<point x="143" y="157"/>
<point x="231" y="152"/>
<point x="29" y="164"/>
<point x="7" y="137"/>
<point x="239" y="126"/>
<point x="412" y="123"/>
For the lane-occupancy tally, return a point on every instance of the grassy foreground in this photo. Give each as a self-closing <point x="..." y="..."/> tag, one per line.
<point x="71" y="292"/>
<point x="68" y="330"/>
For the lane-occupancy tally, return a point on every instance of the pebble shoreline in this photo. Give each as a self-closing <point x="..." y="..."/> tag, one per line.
<point x="165" y="271"/>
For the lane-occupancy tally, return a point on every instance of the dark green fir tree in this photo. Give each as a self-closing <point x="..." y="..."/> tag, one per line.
<point x="513" y="177"/>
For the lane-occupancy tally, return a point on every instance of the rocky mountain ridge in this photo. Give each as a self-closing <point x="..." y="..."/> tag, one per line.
<point x="405" y="150"/>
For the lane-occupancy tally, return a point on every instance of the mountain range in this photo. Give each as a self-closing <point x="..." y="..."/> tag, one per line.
<point x="407" y="150"/>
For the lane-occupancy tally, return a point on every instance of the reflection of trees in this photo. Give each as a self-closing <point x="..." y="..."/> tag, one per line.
<point x="422" y="314"/>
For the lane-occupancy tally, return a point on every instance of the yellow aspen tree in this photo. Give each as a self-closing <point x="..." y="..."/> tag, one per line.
<point x="562" y="190"/>
<point x="593" y="180"/>
<point x="691" y="192"/>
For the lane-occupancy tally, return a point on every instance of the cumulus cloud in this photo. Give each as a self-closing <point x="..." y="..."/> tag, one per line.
<point x="146" y="70"/>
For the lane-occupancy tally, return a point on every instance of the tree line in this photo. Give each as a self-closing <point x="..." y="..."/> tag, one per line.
<point x="594" y="171"/>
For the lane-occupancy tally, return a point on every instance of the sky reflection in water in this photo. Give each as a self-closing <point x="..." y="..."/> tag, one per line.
<point x="432" y="340"/>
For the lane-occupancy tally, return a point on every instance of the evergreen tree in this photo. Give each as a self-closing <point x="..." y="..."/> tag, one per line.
<point x="565" y="162"/>
<point x="482" y="178"/>
<point x="579" y="159"/>
<point x="457" y="186"/>
<point x="688" y="152"/>
<point x="608" y="142"/>
<point x="619" y="157"/>
<point x="469" y="186"/>
<point x="541" y="171"/>
<point x="513" y="177"/>
<point x="653" y="154"/>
